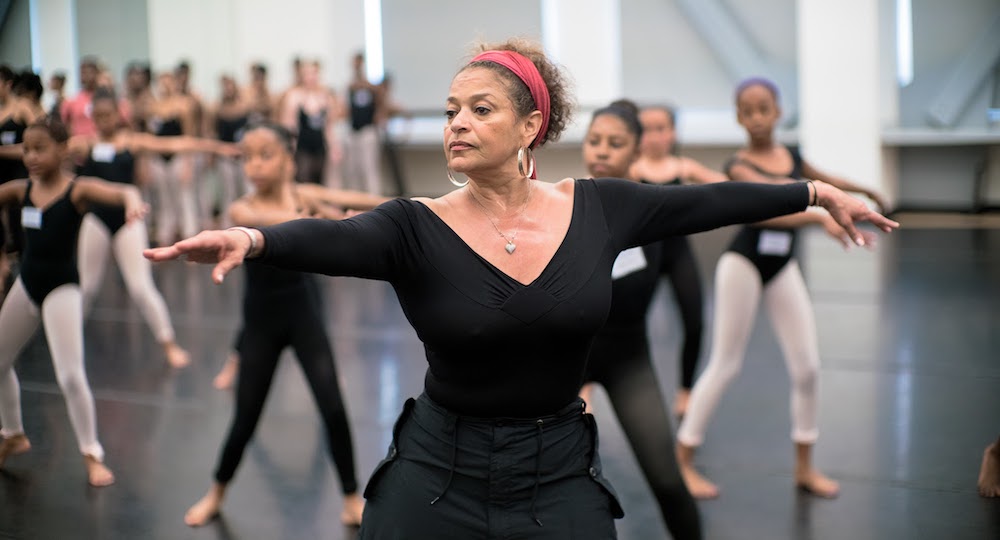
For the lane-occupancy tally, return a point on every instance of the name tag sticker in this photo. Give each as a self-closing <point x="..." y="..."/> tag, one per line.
<point x="31" y="217"/>
<point x="7" y="138"/>
<point x="778" y="243"/>
<point x="103" y="152"/>
<point x="628" y="262"/>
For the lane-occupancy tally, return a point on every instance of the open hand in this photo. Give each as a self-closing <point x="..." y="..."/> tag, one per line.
<point x="848" y="211"/>
<point x="225" y="249"/>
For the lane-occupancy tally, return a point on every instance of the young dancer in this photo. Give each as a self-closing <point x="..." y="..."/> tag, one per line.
<point x="281" y="309"/>
<point x="15" y="116"/>
<point x="620" y="358"/>
<point x="506" y="281"/>
<point x="111" y="156"/>
<point x="760" y="263"/>
<point x="365" y="102"/>
<point x="48" y="290"/>
<point x="229" y="119"/>
<point x="310" y="111"/>
<point x="173" y="114"/>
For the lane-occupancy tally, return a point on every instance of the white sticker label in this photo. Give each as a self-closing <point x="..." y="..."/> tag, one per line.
<point x="31" y="217"/>
<point x="103" y="152"/>
<point x="8" y="138"/>
<point x="317" y="121"/>
<point x="778" y="243"/>
<point x="628" y="262"/>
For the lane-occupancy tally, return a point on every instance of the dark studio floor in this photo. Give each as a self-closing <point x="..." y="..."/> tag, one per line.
<point x="910" y="397"/>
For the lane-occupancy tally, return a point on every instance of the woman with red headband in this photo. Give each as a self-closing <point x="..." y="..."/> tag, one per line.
<point x="506" y="280"/>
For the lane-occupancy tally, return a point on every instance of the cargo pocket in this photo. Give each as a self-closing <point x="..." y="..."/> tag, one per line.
<point x="393" y="452"/>
<point x="595" y="471"/>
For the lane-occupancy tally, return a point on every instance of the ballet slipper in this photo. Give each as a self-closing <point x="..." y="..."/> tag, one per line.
<point x="816" y="483"/>
<point x="12" y="446"/>
<point x="98" y="475"/>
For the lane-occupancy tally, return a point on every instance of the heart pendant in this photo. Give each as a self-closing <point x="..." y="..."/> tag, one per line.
<point x="510" y="247"/>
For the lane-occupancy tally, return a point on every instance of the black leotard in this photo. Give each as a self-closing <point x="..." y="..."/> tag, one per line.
<point x="12" y="132"/>
<point x="231" y="129"/>
<point x="120" y="169"/>
<point x="496" y="347"/>
<point x="282" y="308"/>
<point x="311" y="139"/>
<point x="171" y="127"/>
<point x="362" y="107"/>
<point x="750" y="240"/>
<point x="49" y="258"/>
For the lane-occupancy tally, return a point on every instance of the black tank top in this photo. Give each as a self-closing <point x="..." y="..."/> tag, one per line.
<point x="311" y="126"/>
<point x="117" y="167"/>
<point x="12" y="132"/>
<point x="170" y="127"/>
<point x="231" y="129"/>
<point x="49" y="258"/>
<point x="362" y="108"/>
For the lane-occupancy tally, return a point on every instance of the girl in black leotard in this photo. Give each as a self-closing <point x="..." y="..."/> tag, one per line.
<point x="15" y="116"/>
<point x="658" y="164"/>
<point x="111" y="156"/>
<point x="506" y="281"/>
<point x="230" y="117"/>
<point x="173" y="114"/>
<point x="282" y="309"/>
<point x="310" y="111"/>
<point x="759" y="264"/>
<point x="47" y="290"/>
<point x="619" y="358"/>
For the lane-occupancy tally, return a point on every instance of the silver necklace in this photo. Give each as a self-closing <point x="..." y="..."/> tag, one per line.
<point x="511" y="246"/>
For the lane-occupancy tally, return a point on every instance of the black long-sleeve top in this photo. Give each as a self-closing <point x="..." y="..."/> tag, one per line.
<point x="496" y="347"/>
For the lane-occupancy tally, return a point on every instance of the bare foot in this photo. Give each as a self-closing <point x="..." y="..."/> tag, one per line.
<point x="585" y="392"/>
<point x="989" y="473"/>
<point x="206" y="509"/>
<point x="816" y="483"/>
<point x="97" y="473"/>
<point x="681" y="402"/>
<point x="224" y="380"/>
<point x="354" y="507"/>
<point x="176" y="356"/>
<point x="699" y="486"/>
<point x="12" y="446"/>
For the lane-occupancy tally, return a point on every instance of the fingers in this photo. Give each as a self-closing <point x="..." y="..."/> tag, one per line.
<point x="161" y="254"/>
<point x="882" y="222"/>
<point x="224" y="266"/>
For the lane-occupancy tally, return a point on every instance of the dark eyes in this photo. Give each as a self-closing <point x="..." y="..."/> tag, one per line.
<point x="480" y="110"/>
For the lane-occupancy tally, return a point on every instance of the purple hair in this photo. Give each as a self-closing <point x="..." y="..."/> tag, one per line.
<point x="757" y="81"/>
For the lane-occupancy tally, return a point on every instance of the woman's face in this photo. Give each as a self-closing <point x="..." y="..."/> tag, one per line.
<point x="757" y="111"/>
<point x="266" y="162"/>
<point x="609" y="147"/>
<point x="167" y="84"/>
<point x="105" y="114"/>
<point x="42" y="154"/>
<point x="658" y="135"/>
<point x="482" y="132"/>
<point x="228" y="88"/>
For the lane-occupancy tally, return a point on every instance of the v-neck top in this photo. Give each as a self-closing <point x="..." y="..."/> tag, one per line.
<point x="494" y="346"/>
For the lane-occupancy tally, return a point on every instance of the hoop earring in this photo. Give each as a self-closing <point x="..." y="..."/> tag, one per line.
<point x="521" y="168"/>
<point x="456" y="183"/>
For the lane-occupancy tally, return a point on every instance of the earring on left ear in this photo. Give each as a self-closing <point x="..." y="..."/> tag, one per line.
<point x="526" y="170"/>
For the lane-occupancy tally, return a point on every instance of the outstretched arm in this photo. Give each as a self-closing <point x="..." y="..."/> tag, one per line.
<point x="12" y="192"/>
<point x="94" y="190"/>
<point x="845" y="185"/>
<point x="12" y="151"/>
<point x="144" y="142"/>
<point x="356" y="200"/>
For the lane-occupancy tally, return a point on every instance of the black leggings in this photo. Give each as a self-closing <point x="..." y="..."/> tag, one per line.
<point x="680" y="266"/>
<point x="287" y="319"/>
<point x="620" y="362"/>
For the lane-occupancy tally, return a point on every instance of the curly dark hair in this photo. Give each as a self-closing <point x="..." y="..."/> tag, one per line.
<point x="561" y="103"/>
<point x="53" y="126"/>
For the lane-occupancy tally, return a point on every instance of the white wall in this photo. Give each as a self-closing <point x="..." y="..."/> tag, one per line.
<point x="15" y="37"/>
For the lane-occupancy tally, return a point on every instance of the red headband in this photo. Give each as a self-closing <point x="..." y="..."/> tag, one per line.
<point x="526" y="71"/>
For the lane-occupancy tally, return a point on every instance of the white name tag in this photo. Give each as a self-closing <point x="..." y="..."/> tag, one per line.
<point x="778" y="243"/>
<point x="31" y="217"/>
<point x="8" y="138"/>
<point x="317" y="121"/>
<point x="628" y="262"/>
<point x="103" y="152"/>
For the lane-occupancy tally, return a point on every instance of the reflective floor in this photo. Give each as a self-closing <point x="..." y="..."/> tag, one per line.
<point x="910" y="397"/>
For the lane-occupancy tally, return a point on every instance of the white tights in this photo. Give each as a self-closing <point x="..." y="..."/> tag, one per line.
<point x="128" y="243"/>
<point x="738" y="291"/>
<point x="61" y="315"/>
<point x="177" y="206"/>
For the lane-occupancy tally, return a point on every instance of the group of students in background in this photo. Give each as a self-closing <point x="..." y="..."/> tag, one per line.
<point x="268" y="150"/>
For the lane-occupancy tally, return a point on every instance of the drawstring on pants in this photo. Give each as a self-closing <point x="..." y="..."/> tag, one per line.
<point x="538" y="472"/>
<point x="454" y="455"/>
